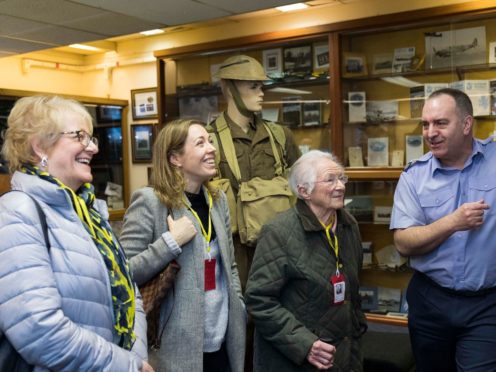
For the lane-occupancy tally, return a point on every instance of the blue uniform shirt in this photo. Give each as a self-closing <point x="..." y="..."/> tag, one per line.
<point x="427" y="191"/>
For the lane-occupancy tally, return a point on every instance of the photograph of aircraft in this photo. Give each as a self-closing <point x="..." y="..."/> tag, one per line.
<point x="450" y="48"/>
<point x="381" y="111"/>
<point x="455" y="49"/>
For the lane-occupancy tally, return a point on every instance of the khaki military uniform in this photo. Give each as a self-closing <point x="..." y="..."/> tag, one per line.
<point x="255" y="159"/>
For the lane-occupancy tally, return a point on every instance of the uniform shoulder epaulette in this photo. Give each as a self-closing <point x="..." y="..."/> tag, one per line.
<point x="409" y="165"/>
<point x="424" y="158"/>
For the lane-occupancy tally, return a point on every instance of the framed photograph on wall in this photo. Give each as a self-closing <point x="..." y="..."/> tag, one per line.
<point x="354" y="64"/>
<point x="142" y="137"/>
<point x="298" y="59"/>
<point x="272" y="62"/>
<point x="144" y="103"/>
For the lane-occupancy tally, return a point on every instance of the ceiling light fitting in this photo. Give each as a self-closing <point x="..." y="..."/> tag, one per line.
<point x="152" y="32"/>
<point x="291" y="7"/>
<point x="84" y="47"/>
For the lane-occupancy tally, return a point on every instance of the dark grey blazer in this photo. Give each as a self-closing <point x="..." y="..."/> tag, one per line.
<point x="182" y="312"/>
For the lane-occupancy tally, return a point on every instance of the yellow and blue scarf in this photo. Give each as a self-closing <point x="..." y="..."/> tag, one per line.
<point x="121" y="283"/>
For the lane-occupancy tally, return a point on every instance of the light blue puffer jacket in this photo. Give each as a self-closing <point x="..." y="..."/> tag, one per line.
<point x="57" y="310"/>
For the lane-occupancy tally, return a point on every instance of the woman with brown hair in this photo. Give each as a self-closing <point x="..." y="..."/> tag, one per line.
<point x="181" y="217"/>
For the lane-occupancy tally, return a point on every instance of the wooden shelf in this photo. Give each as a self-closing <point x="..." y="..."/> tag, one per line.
<point x="401" y="269"/>
<point x="373" y="173"/>
<point x="383" y="319"/>
<point x="391" y="122"/>
<point x="459" y="70"/>
<point x="297" y="83"/>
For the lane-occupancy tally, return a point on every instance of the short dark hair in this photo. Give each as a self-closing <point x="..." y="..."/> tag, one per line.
<point x="462" y="101"/>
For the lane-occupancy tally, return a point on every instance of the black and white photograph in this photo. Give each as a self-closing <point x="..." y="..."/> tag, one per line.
<point x="402" y="59"/>
<point x="198" y="107"/>
<point x="463" y="47"/>
<point x="389" y="299"/>
<point x="378" y="152"/>
<point x="321" y="56"/>
<point x="478" y="92"/>
<point x="291" y="111"/>
<point x="311" y="112"/>
<point x="369" y="297"/>
<point x="381" y="111"/>
<point x="355" y="156"/>
<point x="356" y="107"/>
<point x="492" y="92"/>
<point x="414" y="146"/>
<point x="382" y="63"/>
<point x="272" y="62"/>
<point x="361" y="207"/>
<point x="492" y="52"/>
<point x="298" y="59"/>
<point x="354" y="64"/>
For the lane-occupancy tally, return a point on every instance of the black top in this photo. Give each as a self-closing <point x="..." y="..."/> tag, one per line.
<point x="200" y="206"/>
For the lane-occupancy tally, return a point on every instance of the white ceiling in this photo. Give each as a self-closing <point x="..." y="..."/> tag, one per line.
<point x="30" y="25"/>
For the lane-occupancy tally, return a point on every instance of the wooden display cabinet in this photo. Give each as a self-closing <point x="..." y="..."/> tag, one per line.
<point x="297" y="96"/>
<point x="358" y="62"/>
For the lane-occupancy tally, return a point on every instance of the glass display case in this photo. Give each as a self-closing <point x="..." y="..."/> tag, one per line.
<point x="384" y="84"/>
<point x="297" y="96"/>
<point x="383" y="89"/>
<point x="359" y="95"/>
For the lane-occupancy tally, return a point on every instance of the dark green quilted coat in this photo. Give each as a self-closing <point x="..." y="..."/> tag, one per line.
<point x="290" y="297"/>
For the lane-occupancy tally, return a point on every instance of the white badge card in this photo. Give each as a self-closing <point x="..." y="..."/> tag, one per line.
<point x="339" y="285"/>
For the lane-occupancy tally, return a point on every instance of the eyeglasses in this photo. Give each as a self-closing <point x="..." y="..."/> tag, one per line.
<point x="333" y="181"/>
<point x="83" y="137"/>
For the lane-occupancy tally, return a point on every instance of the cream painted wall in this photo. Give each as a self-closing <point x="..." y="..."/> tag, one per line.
<point x="136" y="71"/>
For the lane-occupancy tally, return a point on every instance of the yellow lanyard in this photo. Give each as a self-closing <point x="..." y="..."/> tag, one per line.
<point x="206" y="234"/>
<point x="334" y="245"/>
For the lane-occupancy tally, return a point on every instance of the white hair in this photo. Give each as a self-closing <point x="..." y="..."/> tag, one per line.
<point x="304" y="170"/>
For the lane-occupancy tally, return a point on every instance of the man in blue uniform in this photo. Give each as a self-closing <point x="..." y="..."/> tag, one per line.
<point x="444" y="219"/>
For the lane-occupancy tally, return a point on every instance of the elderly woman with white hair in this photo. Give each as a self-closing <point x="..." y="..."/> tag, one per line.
<point x="302" y="290"/>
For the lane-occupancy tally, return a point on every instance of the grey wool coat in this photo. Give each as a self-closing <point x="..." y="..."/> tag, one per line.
<point x="182" y="312"/>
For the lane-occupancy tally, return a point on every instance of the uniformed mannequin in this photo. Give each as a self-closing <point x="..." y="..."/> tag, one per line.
<point x="241" y="81"/>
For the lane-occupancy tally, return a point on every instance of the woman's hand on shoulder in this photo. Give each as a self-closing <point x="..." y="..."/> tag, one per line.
<point x="146" y="367"/>
<point x="182" y="229"/>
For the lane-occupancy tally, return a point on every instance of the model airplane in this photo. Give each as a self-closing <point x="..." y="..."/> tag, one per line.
<point x="455" y="49"/>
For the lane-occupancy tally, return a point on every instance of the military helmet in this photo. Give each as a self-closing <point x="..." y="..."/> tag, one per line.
<point x="241" y="67"/>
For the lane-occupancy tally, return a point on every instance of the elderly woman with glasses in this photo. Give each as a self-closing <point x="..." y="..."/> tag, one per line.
<point x="302" y="289"/>
<point x="67" y="298"/>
